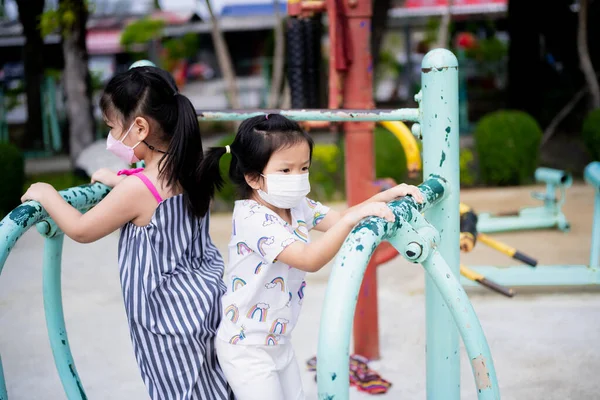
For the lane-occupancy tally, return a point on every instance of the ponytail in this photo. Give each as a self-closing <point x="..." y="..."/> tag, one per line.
<point x="209" y="174"/>
<point x="184" y="154"/>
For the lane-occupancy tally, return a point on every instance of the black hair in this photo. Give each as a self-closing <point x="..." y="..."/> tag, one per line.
<point x="256" y="140"/>
<point x="152" y="93"/>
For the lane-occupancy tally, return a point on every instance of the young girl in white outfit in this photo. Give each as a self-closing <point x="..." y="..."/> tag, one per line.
<point x="270" y="252"/>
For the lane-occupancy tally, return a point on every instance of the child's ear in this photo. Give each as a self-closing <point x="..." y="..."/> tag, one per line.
<point x="253" y="180"/>
<point x="141" y="129"/>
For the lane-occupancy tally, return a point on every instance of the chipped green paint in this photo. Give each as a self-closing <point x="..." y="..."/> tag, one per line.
<point x="442" y="158"/>
<point x="18" y="221"/>
<point x="12" y="227"/>
<point x="346" y="278"/>
<point x="448" y="129"/>
<point x="465" y="319"/>
<point x="403" y="114"/>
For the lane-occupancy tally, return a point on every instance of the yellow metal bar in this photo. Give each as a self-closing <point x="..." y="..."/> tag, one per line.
<point x="409" y="144"/>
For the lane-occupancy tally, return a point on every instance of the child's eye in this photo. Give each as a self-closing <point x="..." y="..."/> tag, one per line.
<point x="285" y="170"/>
<point x="305" y="169"/>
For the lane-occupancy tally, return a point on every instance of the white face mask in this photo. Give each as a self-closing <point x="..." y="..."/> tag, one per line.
<point x="285" y="191"/>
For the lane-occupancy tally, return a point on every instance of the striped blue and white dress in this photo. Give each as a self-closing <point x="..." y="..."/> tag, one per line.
<point x="171" y="276"/>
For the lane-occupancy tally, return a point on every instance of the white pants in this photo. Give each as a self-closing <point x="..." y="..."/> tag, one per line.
<point x="261" y="372"/>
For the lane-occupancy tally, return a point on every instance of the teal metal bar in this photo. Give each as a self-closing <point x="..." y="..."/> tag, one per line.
<point x="440" y="130"/>
<point x="3" y="393"/>
<point x="403" y="114"/>
<point x="15" y="224"/>
<point x="344" y="285"/>
<point x="542" y="275"/>
<point x="592" y="176"/>
<point x="468" y="324"/>
<point x="55" y="320"/>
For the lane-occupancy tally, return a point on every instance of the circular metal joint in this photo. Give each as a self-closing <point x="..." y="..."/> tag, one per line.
<point x="416" y="130"/>
<point x="413" y="251"/>
<point x="46" y="228"/>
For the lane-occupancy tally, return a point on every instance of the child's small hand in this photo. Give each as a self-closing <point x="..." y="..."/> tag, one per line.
<point x="375" y="209"/>
<point x="106" y="177"/>
<point x="37" y="192"/>
<point x="401" y="190"/>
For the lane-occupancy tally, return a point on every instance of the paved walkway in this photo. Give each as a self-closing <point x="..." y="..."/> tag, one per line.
<point x="544" y="343"/>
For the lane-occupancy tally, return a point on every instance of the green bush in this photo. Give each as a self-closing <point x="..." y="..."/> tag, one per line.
<point x="507" y="144"/>
<point x="591" y="133"/>
<point x="468" y="175"/>
<point x="12" y="165"/>
<point x="327" y="173"/>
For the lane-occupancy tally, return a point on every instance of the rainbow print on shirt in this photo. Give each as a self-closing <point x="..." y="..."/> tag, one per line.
<point x="239" y="337"/>
<point x="270" y="219"/>
<point x="243" y="249"/>
<point x="301" y="231"/>
<point x="279" y="326"/>
<point x="311" y="203"/>
<point x="318" y="217"/>
<point x="301" y="292"/>
<point x="264" y="241"/>
<point x="290" y="300"/>
<point x="237" y="283"/>
<point x="276" y="281"/>
<point x="258" y="268"/>
<point x="258" y="312"/>
<point x="271" y="340"/>
<point x="232" y="313"/>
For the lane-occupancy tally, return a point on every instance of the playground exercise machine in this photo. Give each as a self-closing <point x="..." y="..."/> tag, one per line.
<point x="547" y="216"/>
<point x="432" y="240"/>
<point x="556" y="275"/>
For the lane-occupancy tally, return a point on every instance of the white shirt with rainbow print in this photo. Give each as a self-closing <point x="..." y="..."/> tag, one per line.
<point x="264" y="296"/>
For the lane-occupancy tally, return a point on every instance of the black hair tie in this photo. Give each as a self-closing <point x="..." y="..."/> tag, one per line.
<point x="153" y="148"/>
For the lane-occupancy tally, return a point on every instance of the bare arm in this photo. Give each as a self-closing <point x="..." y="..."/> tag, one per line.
<point x="333" y="217"/>
<point x="109" y="215"/>
<point x="314" y="256"/>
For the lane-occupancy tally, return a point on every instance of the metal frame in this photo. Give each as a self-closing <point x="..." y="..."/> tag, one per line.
<point x="432" y="242"/>
<point x="419" y="241"/>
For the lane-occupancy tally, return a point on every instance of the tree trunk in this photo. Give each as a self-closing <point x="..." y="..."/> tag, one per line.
<point x="29" y="14"/>
<point x="379" y="21"/>
<point x="278" y="59"/>
<point x="584" y="55"/>
<point x="224" y="59"/>
<point x="442" y="36"/>
<point x="78" y="83"/>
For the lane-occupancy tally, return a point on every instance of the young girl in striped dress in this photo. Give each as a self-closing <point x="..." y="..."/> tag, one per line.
<point x="171" y="272"/>
<point x="270" y="252"/>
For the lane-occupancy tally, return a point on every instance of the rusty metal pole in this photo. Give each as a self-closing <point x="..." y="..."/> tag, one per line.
<point x="360" y="165"/>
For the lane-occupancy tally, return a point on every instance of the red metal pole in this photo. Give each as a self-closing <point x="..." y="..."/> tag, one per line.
<point x="360" y="165"/>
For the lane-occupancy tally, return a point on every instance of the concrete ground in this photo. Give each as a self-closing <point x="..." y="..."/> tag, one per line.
<point x="544" y="343"/>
